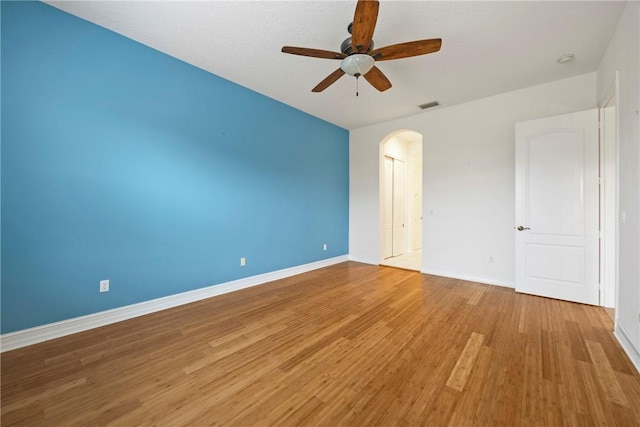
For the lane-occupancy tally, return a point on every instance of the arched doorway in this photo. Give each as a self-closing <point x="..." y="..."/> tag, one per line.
<point x="401" y="200"/>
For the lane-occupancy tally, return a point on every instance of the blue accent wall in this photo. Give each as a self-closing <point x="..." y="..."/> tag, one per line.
<point x="120" y="162"/>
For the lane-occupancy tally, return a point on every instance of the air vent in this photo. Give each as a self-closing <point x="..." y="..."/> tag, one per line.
<point x="429" y="105"/>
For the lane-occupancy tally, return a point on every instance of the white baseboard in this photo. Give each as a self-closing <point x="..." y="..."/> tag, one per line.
<point x="50" y="331"/>
<point x="627" y="345"/>
<point x="483" y="280"/>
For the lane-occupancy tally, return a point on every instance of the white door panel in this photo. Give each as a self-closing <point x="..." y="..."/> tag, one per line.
<point x="557" y="205"/>
<point x="557" y="263"/>
<point x="556" y="171"/>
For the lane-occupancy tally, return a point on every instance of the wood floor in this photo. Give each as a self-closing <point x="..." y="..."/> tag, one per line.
<point x="351" y="344"/>
<point x="408" y="261"/>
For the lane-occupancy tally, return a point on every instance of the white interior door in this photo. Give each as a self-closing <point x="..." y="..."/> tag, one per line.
<point x="557" y="244"/>
<point x="388" y="207"/>
<point x="398" y="207"/>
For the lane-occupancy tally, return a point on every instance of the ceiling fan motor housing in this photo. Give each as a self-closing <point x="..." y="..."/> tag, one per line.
<point x="347" y="49"/>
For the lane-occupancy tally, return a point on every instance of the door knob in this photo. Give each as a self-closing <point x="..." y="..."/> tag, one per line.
<point x="521" y="228"/>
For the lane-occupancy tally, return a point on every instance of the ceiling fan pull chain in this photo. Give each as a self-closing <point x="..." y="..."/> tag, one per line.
<point x="357" y="85"/>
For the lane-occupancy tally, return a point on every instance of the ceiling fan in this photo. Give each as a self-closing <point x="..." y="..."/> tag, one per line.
<point x="358" y="54"/>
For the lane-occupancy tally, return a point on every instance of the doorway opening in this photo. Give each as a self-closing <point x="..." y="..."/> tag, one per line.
<point x="401" y="200"/>
<point x="608" y="117"/>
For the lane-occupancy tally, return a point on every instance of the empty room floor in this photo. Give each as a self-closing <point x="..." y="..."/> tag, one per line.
<point x="351" y="344"/>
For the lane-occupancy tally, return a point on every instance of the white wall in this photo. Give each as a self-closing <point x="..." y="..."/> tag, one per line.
<point x="414" y="171"/>
<point x="468" y="182"/>
<point x="623" y="55"/>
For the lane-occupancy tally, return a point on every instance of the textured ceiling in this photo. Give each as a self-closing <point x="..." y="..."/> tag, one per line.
<point x="487" y="47"/>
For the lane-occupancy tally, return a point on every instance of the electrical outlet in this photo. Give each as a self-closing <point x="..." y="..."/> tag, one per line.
<point x="324" y="247"/>
<point x="243" y="262"/>
<point x="104" y="286"/>
<point x="492" y="259"/>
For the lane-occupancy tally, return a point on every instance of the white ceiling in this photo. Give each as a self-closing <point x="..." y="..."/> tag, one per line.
<point x="487" y="47"/>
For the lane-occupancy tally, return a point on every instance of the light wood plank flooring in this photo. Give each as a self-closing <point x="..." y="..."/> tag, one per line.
<point x="408" y="261"/>
<point x="351" y="344"/>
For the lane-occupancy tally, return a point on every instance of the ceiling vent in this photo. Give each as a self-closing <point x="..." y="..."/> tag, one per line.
<point x="429" y="105"/>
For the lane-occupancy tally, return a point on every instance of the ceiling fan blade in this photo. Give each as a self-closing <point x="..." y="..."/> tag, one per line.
<point x="406" y="50"/>
<point x="331" y="79"/>
<point x="315" y="53"/>
<point x="364" y="22"/>
<point x="378" y="79"/>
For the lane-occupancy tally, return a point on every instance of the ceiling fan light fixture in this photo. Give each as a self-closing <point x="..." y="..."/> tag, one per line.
<point x="357" y="64"/>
